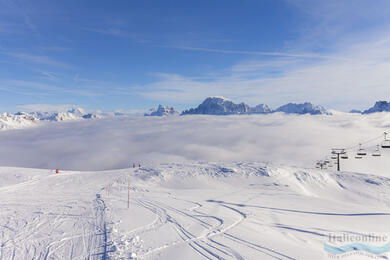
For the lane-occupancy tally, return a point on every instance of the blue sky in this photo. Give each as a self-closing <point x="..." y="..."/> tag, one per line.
<point x="133" y="55"/>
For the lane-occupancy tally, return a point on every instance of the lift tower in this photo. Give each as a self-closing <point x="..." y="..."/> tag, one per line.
<point x="338" y="152"/>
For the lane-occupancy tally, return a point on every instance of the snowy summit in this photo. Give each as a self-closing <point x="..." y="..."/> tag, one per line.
<point x="162" y="111"/>
<point x="223" y="106"/>
<point x="305" y="108"/>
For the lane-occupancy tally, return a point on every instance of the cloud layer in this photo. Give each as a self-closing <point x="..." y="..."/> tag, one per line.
<point x="118" y="142"/>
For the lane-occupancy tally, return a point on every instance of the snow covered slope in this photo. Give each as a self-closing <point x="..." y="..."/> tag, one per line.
<point x="18" y="120"/>
<point x="192" y="211"/>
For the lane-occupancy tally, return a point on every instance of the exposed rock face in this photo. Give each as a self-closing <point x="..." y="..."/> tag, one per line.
<point x="260" y="109"/>
<point x="355" y="111"/>
<point x="305" y="108"/>
<point x="162" y="111"/>
<point x="223" y="106"/>
<point x="380" y="106"/>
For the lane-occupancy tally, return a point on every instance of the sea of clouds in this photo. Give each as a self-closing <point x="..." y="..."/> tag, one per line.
<point x="118" y="142"/>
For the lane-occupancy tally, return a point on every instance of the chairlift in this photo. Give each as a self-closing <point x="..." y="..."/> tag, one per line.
<point x="344" y="156"/>
<point x="361" y="151"/>
<point x="386" y="142"/>
<point x="334" y="157"/>
<point x="377" y="152"/>
<point x="358" y="156"/>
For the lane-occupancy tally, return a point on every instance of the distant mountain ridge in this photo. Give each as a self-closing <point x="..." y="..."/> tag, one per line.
<point x="25" y="119"/>
<point x="224" y="106"/>
<point x="218" y="106"/>
<point x="379" y="106"/>
<point x="162" y="111"/>
<point x="305" y="108"/>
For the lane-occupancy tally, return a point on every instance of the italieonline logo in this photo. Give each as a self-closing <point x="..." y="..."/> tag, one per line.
<point x="357" y="246"/>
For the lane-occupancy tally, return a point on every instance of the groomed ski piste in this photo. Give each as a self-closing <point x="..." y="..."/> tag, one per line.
<point x="208" y="187"/>
<point x="185" y="211"/>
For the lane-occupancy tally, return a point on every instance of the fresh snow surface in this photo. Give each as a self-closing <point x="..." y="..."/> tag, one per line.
<point x="185" y="211"/>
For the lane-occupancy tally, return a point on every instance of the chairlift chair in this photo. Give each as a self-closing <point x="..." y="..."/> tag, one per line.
<point x="386" y="142"/>
<point x="334" y="157"/>
<point x="361" y="151"/>
<point x="357" y="156"/>
<point x="344" y="156"/>
<point x="377" y="152"/>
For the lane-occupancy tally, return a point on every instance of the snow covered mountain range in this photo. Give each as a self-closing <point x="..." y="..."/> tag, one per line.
<point x="379" y="106"/>
<point x="24" y="119"/>
<point x="224" y="106"/>
<point x="305" y="108"/>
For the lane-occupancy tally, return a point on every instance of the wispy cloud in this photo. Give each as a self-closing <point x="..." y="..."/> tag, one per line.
<point x="47" y="74"/>
<point x="261" y="53"/>
<point x="77" y="78"/>
<point x="341" y="83"/>
<point x="110" y="31"/>
<point x="24" y="84"/>
<point x="55" y="48"/>
<point x="37" y="59"/>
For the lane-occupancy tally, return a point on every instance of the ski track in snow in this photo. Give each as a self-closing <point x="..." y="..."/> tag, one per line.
<point x="200" y="211"/>
<point x="56" y="228"/>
